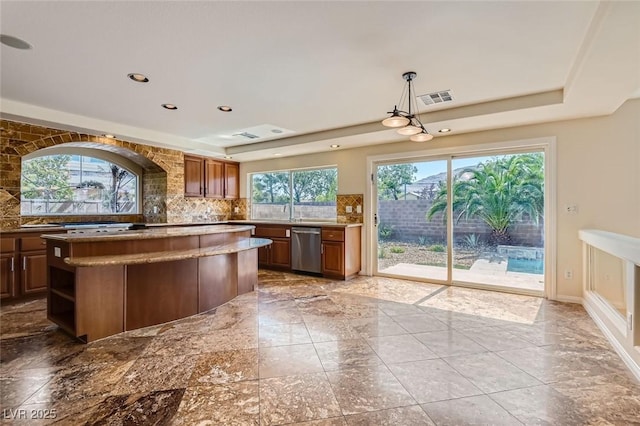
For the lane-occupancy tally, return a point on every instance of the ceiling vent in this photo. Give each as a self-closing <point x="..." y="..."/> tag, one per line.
<point x="246" y="135"/>
<point x="436" y="97"/>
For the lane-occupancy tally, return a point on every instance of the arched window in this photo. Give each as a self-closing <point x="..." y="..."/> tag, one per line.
<point x="79" y="181"/>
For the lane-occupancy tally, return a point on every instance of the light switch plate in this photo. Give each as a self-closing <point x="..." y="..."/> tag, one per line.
<point x="57" y="252"/>
<point x="359" y="208"/>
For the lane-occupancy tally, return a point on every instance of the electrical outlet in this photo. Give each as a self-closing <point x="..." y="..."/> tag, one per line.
<point x="359" y="209"/>
<point x="571" y="208"/>
<point x="236" y="209"/>
<point x="568" y="274"/>
<point x="349" y="209"/>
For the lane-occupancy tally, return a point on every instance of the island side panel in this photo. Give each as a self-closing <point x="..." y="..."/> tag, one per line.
<point x="218" y="280"/>
<point x="160" y="292"/>
<point x="247" y="271"/>
<point x="99" y="301"/>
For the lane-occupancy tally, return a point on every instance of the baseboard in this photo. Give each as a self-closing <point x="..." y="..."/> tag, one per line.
<point x="568" y="299"/>
<point x="621" y="350"/>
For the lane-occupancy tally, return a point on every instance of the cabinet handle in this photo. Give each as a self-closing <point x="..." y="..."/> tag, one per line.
<point x="12" y="266"/>
<point x="24" y="263"/>
<point x="321" y="248"/>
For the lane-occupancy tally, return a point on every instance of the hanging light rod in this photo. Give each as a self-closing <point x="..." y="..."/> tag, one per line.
<point x="407" y="122"/>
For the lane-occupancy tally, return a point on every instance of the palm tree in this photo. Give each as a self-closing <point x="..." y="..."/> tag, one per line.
<point x="498" y="192"/>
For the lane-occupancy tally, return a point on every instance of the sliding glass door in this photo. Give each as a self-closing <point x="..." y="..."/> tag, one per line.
<point x="408" y="244"/>
<point x="471" y="220"/>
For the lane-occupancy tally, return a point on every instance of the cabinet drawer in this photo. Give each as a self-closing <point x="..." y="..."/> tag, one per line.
<point x="332" y="234"/>
<point x="272" y="231"/>
<point x="7" y="245"/>
<point x="32" y="243"/>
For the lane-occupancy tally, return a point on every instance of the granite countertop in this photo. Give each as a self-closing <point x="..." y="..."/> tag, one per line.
<point x="167" y="256"/>
<point x="302" y="223"/>
<point x="145" y="234"/>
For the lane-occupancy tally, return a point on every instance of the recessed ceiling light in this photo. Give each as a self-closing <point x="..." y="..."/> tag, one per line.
<point x="137" y="77"/>
<point x="109" y="135"/>
<point x="277" y="154"/>
<point x="14" y="42"/>
<point x="169" y="106"/>
<point x="276" y="131"/>
<point x="445" y="130"/>
<point x="225" y="108"/>
<point x="228" y="157"/>
<point x="335" y="146"/>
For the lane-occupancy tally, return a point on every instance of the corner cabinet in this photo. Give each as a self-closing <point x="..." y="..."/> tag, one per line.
<point x="211" y="178"/>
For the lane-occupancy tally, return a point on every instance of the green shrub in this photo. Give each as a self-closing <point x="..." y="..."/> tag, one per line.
<point x="382" y="253"/>
<point x="423" y="240"/>
<point x="472" y="241"/>
<point x="438" y="248"/>
<point x="384" y="231"/>
<point x="397" y="250"/>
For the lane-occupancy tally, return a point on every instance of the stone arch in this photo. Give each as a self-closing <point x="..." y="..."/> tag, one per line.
<point x="163" y="173"/>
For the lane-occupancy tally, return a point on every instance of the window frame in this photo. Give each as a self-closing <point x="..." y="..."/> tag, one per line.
<point x="291" y="203"/>
<point x="100" y="154"/>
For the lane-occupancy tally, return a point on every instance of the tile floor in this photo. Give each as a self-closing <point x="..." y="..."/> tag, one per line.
<point x="301" y="350"/>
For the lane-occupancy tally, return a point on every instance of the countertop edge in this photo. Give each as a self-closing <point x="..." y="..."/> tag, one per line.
<point x="167" y="256"/>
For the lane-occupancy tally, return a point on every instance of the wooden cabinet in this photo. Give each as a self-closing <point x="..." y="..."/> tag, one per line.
<point x="232" y="181"/>
<point x="277" y="255"/>
<point x="33" y="262"/>
<point x="23" y="265"/>
<point x="7" y="276"/>
<point x="211" y="178"/>
<point x="193" y="176"/>
<point x="340" y="252"/>
<point x="214" y="178"/>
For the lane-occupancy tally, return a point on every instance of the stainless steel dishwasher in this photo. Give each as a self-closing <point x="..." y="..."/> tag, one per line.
<point x="305" y="249"/>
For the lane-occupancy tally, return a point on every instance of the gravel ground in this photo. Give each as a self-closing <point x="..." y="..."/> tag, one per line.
<point x="421" y="255"/>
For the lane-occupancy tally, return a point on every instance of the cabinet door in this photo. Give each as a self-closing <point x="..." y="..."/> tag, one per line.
<point x="34" y="272"/>
<point x="333" y="258"/>
<point x="281" y="252"/>
<point x="232" y="180"/>
<point x="263" y="255"/>
<point x="214" y="179"/>
<point x="7" y="276"/>
<point x="193" y="176"/>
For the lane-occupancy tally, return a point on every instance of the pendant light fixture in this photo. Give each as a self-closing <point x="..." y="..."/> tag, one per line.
<point x="407" y="122"/>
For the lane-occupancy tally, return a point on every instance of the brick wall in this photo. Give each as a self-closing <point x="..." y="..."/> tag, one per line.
<point x="407" y="218"/>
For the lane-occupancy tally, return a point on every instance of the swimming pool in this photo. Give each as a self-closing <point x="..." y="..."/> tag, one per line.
<point x="529" y="266"/>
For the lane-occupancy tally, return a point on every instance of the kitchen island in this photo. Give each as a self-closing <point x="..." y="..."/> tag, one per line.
<point x="104" y="284"/>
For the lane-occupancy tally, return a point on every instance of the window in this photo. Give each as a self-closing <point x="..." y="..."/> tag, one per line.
<point x="308" y="194"/>
<point x="78" y="185"/>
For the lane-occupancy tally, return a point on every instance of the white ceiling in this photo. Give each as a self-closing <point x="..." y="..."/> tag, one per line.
<point x="327" y="71"/>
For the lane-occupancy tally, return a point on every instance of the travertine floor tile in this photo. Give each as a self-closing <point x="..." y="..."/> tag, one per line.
<point x="288" y="361"/>
<point x="402" y="348"/>
<point x="368" y="389"/>
<point x="472" y="411"/>
<point x="296" y="399"/>
<point x="412" y="415"/>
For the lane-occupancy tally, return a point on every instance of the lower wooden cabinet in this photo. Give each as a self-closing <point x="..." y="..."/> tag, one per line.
<point x="340" y="252"/>
<point x="332" y="258"/>
<point x="7" y="276"/>
<point x="23" y="264"/>
<point x="277" y="255"/>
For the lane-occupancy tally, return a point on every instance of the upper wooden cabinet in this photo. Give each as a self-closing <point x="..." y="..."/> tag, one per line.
<point x="207" y="177"/>
<point x="193" y="177"/>
<point x="231" y="180"/>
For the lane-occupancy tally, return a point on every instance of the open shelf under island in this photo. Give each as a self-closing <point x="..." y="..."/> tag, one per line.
<point x="104" y="284"/>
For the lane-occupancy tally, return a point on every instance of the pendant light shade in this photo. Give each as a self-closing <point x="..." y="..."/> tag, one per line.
<point x="409" y="130"/>
<point x="421" y="137"/>
<point x="407" y="122"/>
<point x="396" y="120"/>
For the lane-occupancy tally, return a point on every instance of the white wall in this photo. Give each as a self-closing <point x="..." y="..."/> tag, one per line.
<point x="598" y="169"/>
